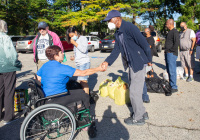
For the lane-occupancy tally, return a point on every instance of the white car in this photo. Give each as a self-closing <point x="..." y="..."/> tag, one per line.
<point x="94" y="43"/>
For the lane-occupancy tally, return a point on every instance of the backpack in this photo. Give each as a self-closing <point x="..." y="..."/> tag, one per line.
<point x="157" y="85"/>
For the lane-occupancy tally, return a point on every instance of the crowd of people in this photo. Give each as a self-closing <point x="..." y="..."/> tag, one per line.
<point x="136" y="53"/>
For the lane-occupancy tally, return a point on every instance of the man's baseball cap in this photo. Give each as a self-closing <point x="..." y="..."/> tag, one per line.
<point x="42" y="25"/>
<point x="112" y="14"/>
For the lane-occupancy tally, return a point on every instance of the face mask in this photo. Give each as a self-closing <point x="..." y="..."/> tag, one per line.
<point x="145" y="34"/>
<point x="111" y="26"/>
<point x="182" y="29"/>
<point x="75" y="37"/>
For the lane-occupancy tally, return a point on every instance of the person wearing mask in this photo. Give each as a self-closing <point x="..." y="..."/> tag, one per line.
<point x="187" y="43"/>
<point x="44" y="39"/>
<point x="9" y="64"/>
<point x="151" y="41"/>
<point x="171" y="54"/>
<point x="81" y="57"/>
<point x="135" y="53"/>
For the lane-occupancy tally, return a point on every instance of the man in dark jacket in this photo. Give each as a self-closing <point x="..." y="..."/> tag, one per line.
<point x="135" y="52"/>
<point x="171" y="54"/>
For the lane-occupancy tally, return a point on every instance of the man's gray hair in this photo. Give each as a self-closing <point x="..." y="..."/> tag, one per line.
<point x="3" y="26"/>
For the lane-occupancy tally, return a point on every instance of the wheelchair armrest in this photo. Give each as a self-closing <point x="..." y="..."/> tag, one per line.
<point x="52" y="96"/>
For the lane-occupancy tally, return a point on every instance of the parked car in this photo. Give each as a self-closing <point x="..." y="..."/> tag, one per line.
<point x="15" y="39"/>
<point x="66" y="45"/>
<point x="108" y="43"/>
<point x="25" y="44"/>
<point x="159" y="40"/>
<point x="94" y="43"/>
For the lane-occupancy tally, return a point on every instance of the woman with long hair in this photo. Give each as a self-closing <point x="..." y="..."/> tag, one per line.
<point x="81" y="57"/>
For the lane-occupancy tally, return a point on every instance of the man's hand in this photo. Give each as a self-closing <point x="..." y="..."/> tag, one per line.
<point x="149" y="64"/>
<point x="191" y="52"/>
<point x="104" y="65"/>
<point x="101" y="68"/>
<point x="72" y="58"/>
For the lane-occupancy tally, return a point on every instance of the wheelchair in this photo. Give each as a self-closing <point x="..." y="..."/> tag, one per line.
<point x="52" y="121"/>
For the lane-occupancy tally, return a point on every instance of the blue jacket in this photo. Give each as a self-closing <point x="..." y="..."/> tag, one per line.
<point x="138" y="49"/>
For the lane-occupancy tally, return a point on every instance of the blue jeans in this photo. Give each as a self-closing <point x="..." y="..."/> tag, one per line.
<point x="83" y="67"/>
<point x="145" y="96"/>
<point x="170" y="60"/>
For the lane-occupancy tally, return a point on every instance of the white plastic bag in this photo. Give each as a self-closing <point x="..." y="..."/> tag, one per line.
<point x="179" y="73"/>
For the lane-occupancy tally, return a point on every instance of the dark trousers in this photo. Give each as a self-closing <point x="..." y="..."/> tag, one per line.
<point x="7" y="91"/>
<point x="74" y="96"/>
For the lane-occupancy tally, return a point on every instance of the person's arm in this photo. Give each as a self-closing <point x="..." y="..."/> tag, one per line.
<point x="114" y="54"/>
<point x="176" y="39"/>
<point x="83" y="46"/>
<point x="39" y="78"/>
<point x="140" y="40"/>
<point x="56" y="40"/>
<point x="193" y="44"/>
<point x="88" y="71"/>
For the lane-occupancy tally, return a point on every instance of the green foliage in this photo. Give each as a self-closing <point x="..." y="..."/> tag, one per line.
<point x="22" y="16"/>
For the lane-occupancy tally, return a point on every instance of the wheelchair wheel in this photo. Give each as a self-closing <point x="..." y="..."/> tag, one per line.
<point x="48" y="121"/>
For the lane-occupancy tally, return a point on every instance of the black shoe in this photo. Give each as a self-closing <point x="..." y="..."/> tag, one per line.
<point x="131" y="121"/>
<point x="168" y="93"/>
<point x="148" y="101"/>
<point x="174" y="90"/>
<point x="145" y="116"/>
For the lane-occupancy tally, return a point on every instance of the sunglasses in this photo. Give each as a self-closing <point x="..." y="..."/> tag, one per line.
<point x="41" y="29"/>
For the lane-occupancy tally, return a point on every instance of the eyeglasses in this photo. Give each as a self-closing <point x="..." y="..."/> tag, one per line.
<point x="41" y="29"/>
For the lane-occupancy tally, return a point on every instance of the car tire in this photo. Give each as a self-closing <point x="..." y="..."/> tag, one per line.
<point x="159" y="47"/>
<point x="102" y="51"/>
<point x="92" y="49"/>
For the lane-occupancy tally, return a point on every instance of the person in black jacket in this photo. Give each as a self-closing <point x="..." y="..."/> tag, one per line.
<point x="136" y="53"/>
<point x="151" y="41"/>
<point x="171" y="54"/>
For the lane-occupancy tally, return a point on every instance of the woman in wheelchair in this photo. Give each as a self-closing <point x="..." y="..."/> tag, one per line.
<point x="54" y="76"/>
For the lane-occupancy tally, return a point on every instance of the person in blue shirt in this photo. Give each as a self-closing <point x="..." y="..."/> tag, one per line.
<point x="54" y="76"/>
<point x="135" y="53"/>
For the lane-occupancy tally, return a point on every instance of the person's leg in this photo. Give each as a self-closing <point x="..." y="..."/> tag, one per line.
<point x="136" y="91"/>
<point x="74" y="96"/>
<point x="167" y="67"/>
<point x="171" y="62"/>
<point x="1" y="93"/>
<point x="191" y="66"/>
<point x="145" y="96"/>
<point x="84" y="79"/>
<point x="9" y="83"/>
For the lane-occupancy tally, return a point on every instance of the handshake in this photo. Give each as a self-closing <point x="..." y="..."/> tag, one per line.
<point x="103" y="66"/>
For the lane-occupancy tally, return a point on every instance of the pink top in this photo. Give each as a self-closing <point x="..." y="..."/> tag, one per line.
<point x="56" y="41"/>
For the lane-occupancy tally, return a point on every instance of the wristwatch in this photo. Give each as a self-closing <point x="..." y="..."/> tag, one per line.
<point x="191" y="49"/>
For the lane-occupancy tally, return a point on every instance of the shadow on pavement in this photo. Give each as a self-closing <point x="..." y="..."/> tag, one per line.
<point x="110" y="127"/>
<point x="11" y="131"/>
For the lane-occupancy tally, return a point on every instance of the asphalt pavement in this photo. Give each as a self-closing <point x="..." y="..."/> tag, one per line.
<point x="176" y="117"/>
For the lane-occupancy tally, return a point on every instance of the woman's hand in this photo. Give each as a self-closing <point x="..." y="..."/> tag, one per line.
<point x="72" y="58"/>
<point x="72" y="41"/>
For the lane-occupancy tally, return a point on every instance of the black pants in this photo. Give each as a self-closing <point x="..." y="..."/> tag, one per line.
<point x="7" y="91"/>
<point x="74" y="96"/>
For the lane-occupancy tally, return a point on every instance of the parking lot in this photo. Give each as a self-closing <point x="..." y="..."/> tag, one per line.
<point x="171" y="118"/>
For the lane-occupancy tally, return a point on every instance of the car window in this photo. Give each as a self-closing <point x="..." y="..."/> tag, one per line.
<point x="27" y="38"/>
<point x="16" y="38"/>
<point x="93" y="39"/>
<point x="153" y="33"/>
<point x="111" y="37"/>
<point x="88" y="38"/>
